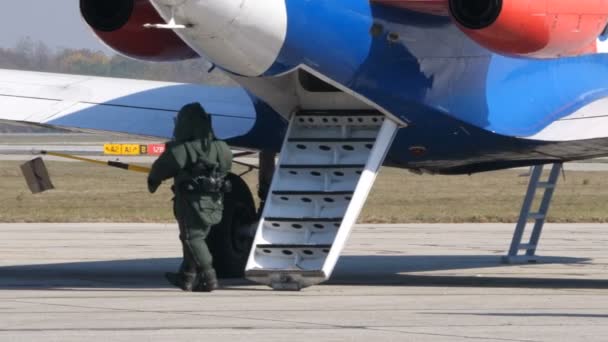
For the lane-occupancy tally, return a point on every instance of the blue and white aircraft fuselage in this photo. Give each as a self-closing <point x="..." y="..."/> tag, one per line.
<point x="467" y="109"/>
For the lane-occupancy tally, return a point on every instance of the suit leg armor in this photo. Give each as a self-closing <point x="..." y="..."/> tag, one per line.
<point x="193" y="232"/>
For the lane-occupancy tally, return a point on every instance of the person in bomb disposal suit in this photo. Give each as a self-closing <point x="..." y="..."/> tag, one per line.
<point x="199" y="163"/>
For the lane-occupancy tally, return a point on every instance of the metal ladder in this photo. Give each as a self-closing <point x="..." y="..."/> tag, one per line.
<point x="327" y="166"/>
<point x="539" y="217"/>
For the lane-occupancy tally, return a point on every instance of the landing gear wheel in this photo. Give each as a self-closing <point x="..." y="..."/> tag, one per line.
<point x="230" y="241"/>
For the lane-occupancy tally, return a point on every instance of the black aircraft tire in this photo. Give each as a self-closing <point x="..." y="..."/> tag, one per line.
<point x="227" y="241"/>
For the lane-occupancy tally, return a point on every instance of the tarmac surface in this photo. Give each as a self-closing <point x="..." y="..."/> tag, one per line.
<point x="442" y="282"/>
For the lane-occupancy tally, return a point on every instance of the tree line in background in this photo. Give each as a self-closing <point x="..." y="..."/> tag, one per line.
<point x="37" y="56"/>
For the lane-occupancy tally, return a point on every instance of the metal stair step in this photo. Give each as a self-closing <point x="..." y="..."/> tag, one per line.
<point x="261" y="272"/>
<point x="286" y="279"/>
<point x="322" y="166"/>
<point x="362" y="112"/>
<point x="331" y="140"/>
<point x="339" y="120"/>
<point x="536" y="216"/>
<point x="526" y="247"/>
<point x="293" y="246"/>
<point x="546" y="185"/>
<point x="264" y="272"/>
<point x="321" y="177"/>
<point x="304" y="219"/>
<point x="311" y="196"/>
<point x="291" y="250"/>
<point x="360" y="147"/>
<point x="311" y="193"/>
<point x="315" y="225"/>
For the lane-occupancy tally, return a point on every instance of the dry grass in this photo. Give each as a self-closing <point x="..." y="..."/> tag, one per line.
<point x="87" y="193"/>
<point x="487" y="197"/>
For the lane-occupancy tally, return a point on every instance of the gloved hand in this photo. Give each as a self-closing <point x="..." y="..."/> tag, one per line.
<point x="153" y="185"/>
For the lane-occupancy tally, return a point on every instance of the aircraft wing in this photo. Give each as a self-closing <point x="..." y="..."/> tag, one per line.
<point x="135" y="107"/>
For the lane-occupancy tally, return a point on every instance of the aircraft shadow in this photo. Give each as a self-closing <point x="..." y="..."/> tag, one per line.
<point x="525" y="315"/>
<point x="390" y="270"/>
<point x="397" y="271"/>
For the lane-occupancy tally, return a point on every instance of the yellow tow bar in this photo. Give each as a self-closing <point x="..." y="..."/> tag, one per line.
<point x="37" y="176"/>
<point x="129" y="167"/>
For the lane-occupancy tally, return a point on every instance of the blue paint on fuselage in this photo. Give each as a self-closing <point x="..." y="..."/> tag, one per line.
<point x="526" y="96"/>
<point x="317" y="38"/>
<point x="421" y="66"/>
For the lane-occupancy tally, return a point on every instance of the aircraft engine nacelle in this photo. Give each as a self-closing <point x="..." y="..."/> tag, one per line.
<point x="532" y="28"/>
<point x="120" y="25"/>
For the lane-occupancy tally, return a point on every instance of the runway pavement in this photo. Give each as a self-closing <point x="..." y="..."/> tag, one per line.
<point x="103" y="282"/>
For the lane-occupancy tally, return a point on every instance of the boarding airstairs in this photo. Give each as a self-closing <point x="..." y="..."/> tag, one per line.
<point x="326" y="169"/>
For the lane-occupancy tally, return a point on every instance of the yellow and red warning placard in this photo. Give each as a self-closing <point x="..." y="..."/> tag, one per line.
<point x="133" y="149"/>
<point x="156" y="149"/>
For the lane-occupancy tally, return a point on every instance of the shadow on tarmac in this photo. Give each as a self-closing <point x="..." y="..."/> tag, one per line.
<point x="528" y="314"/>
<point x="390" y="270"/>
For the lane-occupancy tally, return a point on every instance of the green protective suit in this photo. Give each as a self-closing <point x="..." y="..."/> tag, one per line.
<point x="191" y="158"/>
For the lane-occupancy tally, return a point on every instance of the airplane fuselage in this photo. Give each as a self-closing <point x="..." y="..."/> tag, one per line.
<point x="465" y="108"/>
